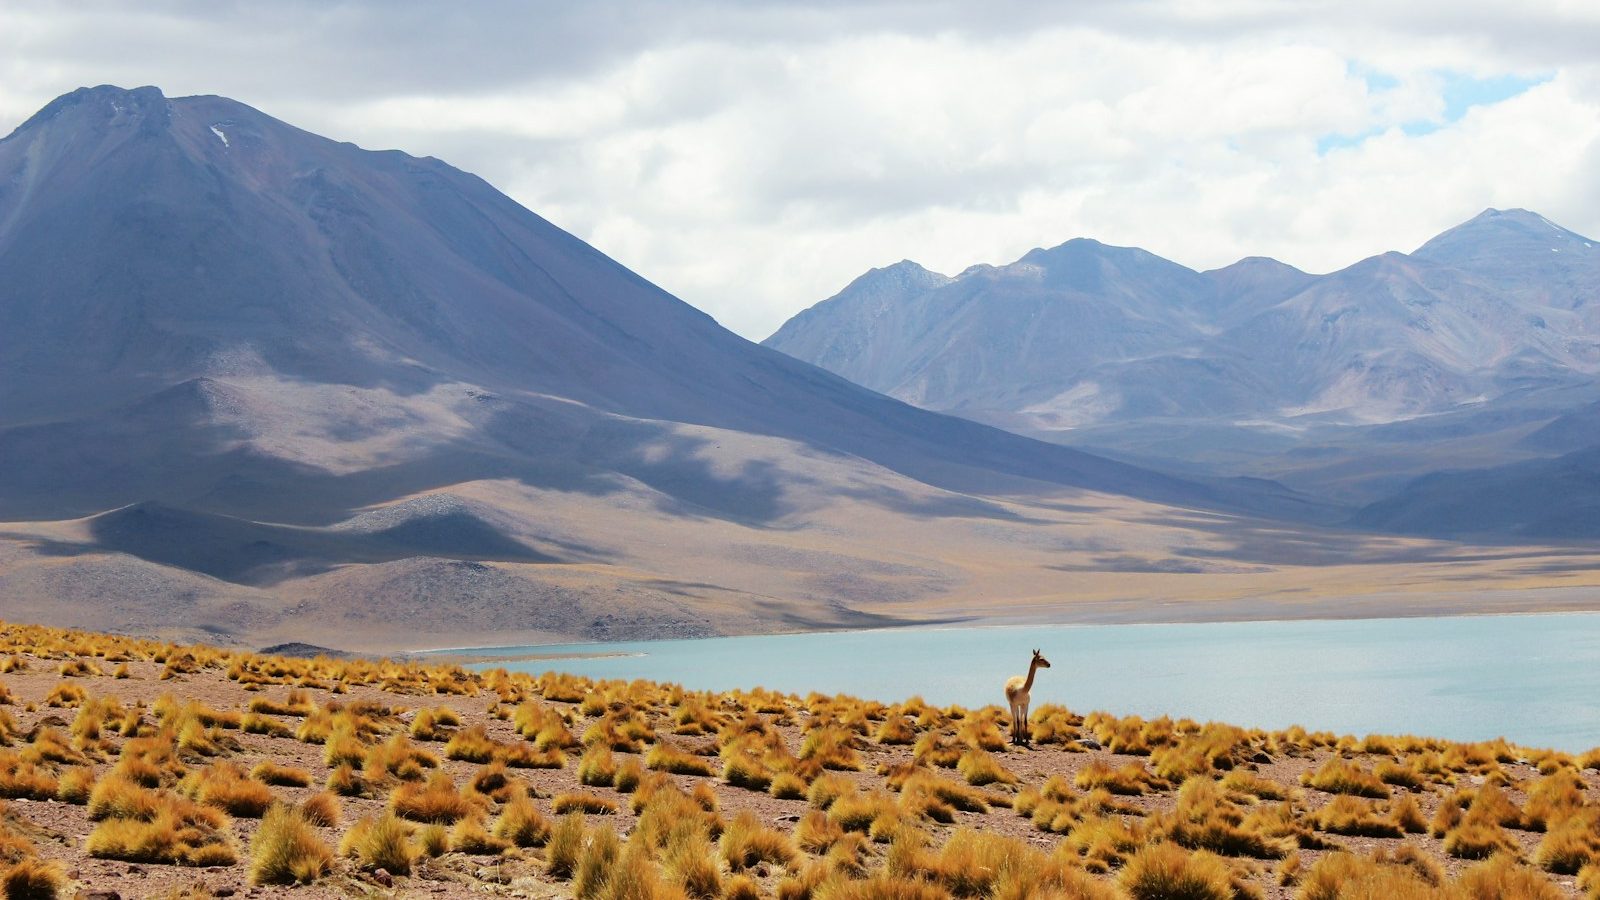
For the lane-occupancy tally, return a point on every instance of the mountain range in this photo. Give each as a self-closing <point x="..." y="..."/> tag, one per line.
<point x="1348" y="386"/>
<point x="259" y="386"/>
<point x="243" y="362"/>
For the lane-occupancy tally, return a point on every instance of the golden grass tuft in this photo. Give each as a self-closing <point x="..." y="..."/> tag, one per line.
<point x="788" y="786"/>
<point x="979" y="767"/>
<point x="347" y="782"/>
<point x="32" y="879"/>
<point x="598" y="767"/>
<point x="282" y="776"/>
<point x="1337" y="776"/>
<point x="1572" y="844"/>
<point x="471" y="745"/>
<point x="565" y="846"/>
<point x="583" y="803"/>
<point x="75" y="785"/>
<point x="1167" y="872"/>
<point x="827" y="789"/>
<point x="1502" y="876"/>
<point x="666" y="758"/>
<point x="381" y="842"/>
<point x="224" y="786"/>
<point x="321" y="809"/>
<point x="746" y="842"/>
<point x="174" y="832"/>
<point x="1345" y="876"/>
<point x="596" y="864"/>
<point x="521" y="823"/>
<point x="689" y="862"/>
<point x="1129" y="780"/>
<point x="470" y="837"/>
<point x="286" y="849"/>
<point x="436" y="801"/>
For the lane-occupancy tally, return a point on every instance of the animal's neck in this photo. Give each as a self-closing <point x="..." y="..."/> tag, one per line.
<point x="1032" y="668"/>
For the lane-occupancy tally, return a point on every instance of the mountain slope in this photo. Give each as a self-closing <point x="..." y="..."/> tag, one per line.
<point x="189" y="272"/>
<point x="1255" y="368"/>
<point x="258" y="382"/>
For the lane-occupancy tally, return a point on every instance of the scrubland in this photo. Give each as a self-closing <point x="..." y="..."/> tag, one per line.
<point x="152" y="769"/>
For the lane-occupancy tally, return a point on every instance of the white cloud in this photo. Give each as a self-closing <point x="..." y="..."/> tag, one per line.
<point x="753" y="159"/>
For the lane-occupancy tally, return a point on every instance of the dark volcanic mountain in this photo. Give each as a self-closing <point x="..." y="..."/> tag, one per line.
<point x="1347" y="384"/>
<point x="228" y="344"/>
<point x="163" y="262"/>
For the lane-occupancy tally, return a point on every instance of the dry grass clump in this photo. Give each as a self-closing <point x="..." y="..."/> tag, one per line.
<point x="1346" y="814"/>
<point x="23" y="875"/>
<point x="1398" y="774"/>
<point x="746" y="842"/>
<point x="32" y="879"/>
<point x="1477" y="838"/>
<point x="287" y="850"/>
<point x="545" y="727"/>
<point x="979" y="767"/>
<point x="583" y="803"/>
<point x="1554" y="798"/>
<point x="472" y="745"/>
<point x="831" y="747"/>
<point x="1205" y="819"/>
<point x="598" y="767"/>
<point x="1344" y="876"/>
<point x="437" y="801"/>
<point x="347" y="782"/>
<point x="282" y="776"/>
<point x="298" y="705"/>
<point x="1130" y="780"/>
<point x="788" y="786"/>
<point x="933" y="750"/>
<point x="394" y="758"/>
<point x="159" y="827"/>
<point x="1502" y="876"/>
<point x="226" y="787"/>
<point x="666" y="758"/>
<point x="1243" y="781"/>
<point x="1571" y="844"/>
<point x="321" y="809"/>
<point x="565" y="846"/>
<point x="470" y="837"/>
<point x="874" y="813"/>
<point x="255" y="723"/>
<point x="521" y="823"/>
<point x="743" y="768"/>
<point x="895" y="730"/>
<point x="1337" y="776"/>
<point x="23" y="780"/>
<point x="1167" y="872"/>
<point x="381" y="842"/>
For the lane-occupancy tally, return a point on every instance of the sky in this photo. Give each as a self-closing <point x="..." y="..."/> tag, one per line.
<point x="753" y="158"/>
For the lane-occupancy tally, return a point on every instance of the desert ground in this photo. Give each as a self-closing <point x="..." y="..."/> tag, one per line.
<point x="139" y="768"/>
<point x="633" y="563"/>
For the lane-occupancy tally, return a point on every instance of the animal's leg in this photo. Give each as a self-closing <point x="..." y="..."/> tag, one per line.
<point x="1027" y="736"/>
<point x="1016" y="734"/>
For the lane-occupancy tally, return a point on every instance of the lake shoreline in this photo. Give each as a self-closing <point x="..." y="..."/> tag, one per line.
<point x="976" y="622"/>
<point x="1465" y="677"/>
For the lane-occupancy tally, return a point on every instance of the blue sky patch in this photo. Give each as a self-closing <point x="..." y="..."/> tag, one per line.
<point x="1460" y="93"/>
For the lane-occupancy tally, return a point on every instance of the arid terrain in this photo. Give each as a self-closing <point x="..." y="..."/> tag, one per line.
<point x="150" y="769"/>
<point x="820" y="562"/>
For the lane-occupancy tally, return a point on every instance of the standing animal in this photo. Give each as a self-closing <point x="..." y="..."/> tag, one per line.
<point x="1017" y="690"/>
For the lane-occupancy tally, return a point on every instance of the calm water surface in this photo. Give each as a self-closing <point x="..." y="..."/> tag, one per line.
<point x="1534" y="679"/>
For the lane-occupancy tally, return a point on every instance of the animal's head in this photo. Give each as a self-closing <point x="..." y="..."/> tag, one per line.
<point x="1040" y="661"/>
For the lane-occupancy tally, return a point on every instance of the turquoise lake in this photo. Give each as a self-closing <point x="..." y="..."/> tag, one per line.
<point x="1534" y="679"/>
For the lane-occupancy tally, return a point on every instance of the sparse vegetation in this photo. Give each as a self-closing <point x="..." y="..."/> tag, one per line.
<point x="1198" y="814"/>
